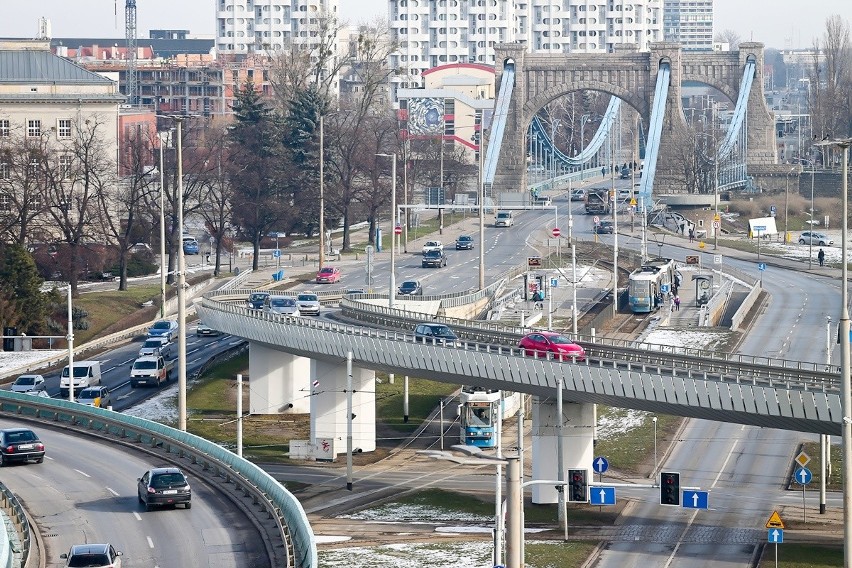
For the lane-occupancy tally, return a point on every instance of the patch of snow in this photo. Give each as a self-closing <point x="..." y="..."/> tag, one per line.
<point x="14" y="359"/>
<point x="413" y="513"/>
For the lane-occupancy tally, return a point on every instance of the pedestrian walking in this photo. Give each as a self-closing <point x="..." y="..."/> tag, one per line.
<point x="821" y="257"/>
<point x="691" y="234"/>
<point x="677" y="303"/>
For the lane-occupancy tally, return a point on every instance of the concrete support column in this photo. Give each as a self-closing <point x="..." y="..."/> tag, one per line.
<point x="512" y="172"/>
<point x="328" y="405"/>
<point x="577" y="442"/>
<point x="759" y="119"/>
<point x="278" y="382"/>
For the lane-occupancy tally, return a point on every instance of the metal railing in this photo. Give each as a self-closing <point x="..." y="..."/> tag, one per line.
<point x="289" y="535"/>
<point x="14" y="555"/>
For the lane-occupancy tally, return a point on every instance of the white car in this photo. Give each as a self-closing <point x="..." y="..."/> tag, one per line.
<point x="282" y="305"/>
<point x="203" y="329"/>
<point x="28" y="383"/>
<point x="433" y="245"/>
<point x="156" y="346"/>
<point x="309" y="304"/>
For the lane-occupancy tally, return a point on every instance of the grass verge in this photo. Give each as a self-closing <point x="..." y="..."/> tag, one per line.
<point x="107" y="308"/>
<point x="803" y="556"/>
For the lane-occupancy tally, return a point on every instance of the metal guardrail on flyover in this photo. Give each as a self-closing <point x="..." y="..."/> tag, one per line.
<point x="16" y="521"/>
<point x="619" y="355"/>
<point x="290" y="539"/>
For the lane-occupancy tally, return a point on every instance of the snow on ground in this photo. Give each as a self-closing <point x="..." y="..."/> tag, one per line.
<point x="13" y="359"/>
<point x="796" y="251"/>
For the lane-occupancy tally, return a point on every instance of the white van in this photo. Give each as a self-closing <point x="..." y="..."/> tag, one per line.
<point x="86" y="374"/>
<point x="504" y="219"/>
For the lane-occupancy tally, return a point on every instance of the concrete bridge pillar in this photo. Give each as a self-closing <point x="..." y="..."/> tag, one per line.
<point x="328" y="405"/>
<point x="675" y="136"/>
<point x="512" y="171"/>
<point x="278" y="382"/>
<point x="761" y="123"/>
<point x="578" y="421"/>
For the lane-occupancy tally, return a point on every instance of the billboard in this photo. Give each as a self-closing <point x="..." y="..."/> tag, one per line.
<point x="426" y="116"/>
<point x="761" y="226"/>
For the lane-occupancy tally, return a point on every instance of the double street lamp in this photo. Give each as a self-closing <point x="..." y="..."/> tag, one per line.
<point x="392" y="290"/>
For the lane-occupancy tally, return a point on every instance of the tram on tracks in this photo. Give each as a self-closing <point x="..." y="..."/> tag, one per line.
<point x="479" y="409"/>
<point x="649" y="282"/>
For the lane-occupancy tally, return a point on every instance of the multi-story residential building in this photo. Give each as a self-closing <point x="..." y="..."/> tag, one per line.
<point x="430" y="34"/>
<point x="689" y="23"/>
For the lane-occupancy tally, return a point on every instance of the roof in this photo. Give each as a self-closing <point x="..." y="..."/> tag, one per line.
<point x="31" y="66"/>
<point x="159" y="47"/>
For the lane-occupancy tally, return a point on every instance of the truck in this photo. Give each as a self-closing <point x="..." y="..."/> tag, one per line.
<point x="151" y="370"/>
<point x="597" y="201"/>
<point x="86" y="374"/>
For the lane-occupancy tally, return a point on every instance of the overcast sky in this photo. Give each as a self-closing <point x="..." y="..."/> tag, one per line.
<point x="779" y="24"/>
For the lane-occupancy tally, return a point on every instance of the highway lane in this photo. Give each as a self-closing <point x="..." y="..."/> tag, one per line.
<point x="85" y="491"/>
<point x="744" y="468"/>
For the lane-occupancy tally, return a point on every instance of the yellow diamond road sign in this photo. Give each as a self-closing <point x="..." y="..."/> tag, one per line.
<point x="802" y="459"/>
<point x="775" y="521"/>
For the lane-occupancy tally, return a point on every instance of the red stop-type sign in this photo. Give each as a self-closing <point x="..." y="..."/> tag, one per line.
<point x="556" y="232"/>
<point x="397" y="230"/>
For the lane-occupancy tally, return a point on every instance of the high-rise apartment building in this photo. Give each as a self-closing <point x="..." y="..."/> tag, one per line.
<point x="689" y="23"/>
<point x="264" y="26"/>
<point x="439" y="32"/>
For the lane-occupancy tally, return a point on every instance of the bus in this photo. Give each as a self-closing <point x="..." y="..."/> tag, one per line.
<point x="647" y="283"/>
<point x="478" y="412"/>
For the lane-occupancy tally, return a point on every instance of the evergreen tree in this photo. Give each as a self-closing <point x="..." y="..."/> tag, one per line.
<point x="22" y="303"/>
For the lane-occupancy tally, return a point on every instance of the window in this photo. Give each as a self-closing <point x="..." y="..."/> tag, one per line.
<point x="5" y="129"/>
<point x="33" y="128"/>
<point x="65" y="161"/>
<point x="64" y="127"/>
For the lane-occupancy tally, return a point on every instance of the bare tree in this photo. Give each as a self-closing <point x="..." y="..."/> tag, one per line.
<point x="21" y="187"/>
<point x="217" y="194"/>
<point x="730" y="37"/>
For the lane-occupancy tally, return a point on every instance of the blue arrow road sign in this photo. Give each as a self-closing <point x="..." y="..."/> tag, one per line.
<point x="664" y="288"/>
<point x="695" y="499"/>
<point x="776" y="536"/>
<point x="803" y="475"/>
<point x="276" y="253"/>
<point x="600" y="465"/>
<point x="761" y="266"/>
<point x="601" y="495"/>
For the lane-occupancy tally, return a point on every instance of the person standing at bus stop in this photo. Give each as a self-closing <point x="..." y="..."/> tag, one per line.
<point x="677" y="303"/>
<point x="821" y="257"/>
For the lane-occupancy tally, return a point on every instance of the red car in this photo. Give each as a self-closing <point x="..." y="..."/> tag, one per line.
<point x="542" y="342"/>
<point x="328" y="275"/>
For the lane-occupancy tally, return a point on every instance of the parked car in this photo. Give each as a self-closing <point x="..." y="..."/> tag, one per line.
<point x="28" y="383"/>
<point x="578" y="194"/>
<point x="434" y="333"/>
<point x="434" y="258"/>
<point x="283" y="305"/>
<point x="543" y="342"/>
<point x="156" y="346"/>
<point x="164" y="486"/>
<point x="164" y="328"/>
<point x="202" y="329"/>
<point x="328" y="275"/>
<point x="21" y="445"/>
<point x="604" y="227"/>
<point x="815" y="238"/>
<point x="410" y="288"/>
<point x="140" y="247"/>
<point x="256" y="300"/>
<point x="190" y="245"/>
<point x="433" y="245"/>
<point x="309" y="304"/>
<point x="95" y="396"/>
<point x="464" y="242"/>
<point x="92" y="556"/>
<point x="354" y="291"/>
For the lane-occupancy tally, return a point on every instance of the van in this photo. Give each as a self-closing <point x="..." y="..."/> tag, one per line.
<point x="190" y="245"/>
<point x="504" y="219"/>
<point x="86" y="374"/>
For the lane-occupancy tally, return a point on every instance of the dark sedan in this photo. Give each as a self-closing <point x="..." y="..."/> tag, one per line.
<point x="604" y="227"/>
<point x="21" y="445"/>
<point x="434" y="258"/>
<point x="464" y="242"/>
<point x="410" y="288"/>
<point x="164" y="486"/>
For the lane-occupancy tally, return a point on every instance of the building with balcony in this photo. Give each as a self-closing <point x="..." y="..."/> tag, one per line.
<point x="689" y="23"/>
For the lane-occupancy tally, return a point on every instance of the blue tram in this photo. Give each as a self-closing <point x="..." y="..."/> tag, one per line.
<point x="646" y="284"/>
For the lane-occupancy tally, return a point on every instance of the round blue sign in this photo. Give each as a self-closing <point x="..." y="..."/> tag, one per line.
<point x="600" y="465"/>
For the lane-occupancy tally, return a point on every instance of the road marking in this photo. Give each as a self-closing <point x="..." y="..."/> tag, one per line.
<point x="83" y="473"/>
<point x="137" y="515"/>
<point x="113" y="491"/>
<point x="150" y="542"/>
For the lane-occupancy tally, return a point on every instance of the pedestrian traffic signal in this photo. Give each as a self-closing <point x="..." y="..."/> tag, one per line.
<point x="577" y="486"/>
<point x="669" y="488"/>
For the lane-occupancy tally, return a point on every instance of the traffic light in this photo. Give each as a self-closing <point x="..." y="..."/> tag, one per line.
<point x="577" y="487"/>
<point x="669" y="488"/>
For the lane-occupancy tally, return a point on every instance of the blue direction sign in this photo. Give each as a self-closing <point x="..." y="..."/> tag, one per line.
<point x="776" y="536"/>
<point x="554" y="282"/>
<point x="664" y="288"/>
<point x="695" y="499"/>
<point x="601" y="495"/>
<point x="276" y="253"/>
<point x="761" y="266"/>
<point x="803" y="476"/>
<point x="759" y="227"/>
<point x="600" y="465"/>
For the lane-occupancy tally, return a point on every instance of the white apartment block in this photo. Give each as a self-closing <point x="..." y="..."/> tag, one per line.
<point x="689" y="23"/>
<point x="431" y="33"/>
<point x="264" y="26"/>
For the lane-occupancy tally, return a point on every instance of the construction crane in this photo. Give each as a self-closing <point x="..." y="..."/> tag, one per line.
<point x="132" y="77"/>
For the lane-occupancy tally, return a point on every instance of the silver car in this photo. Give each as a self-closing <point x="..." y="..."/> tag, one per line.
<point x="284" y="305"/>
<point x="815" y="238"/>
<point x="309" y="304"/>
<point x="28" y="383"/>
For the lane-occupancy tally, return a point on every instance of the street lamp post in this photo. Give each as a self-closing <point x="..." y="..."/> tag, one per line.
<point x="163" y="137"/>
<point x="843" y="338"/>
<point x="655" y="448"/>
<point x="392" y="290"/>
<point x="181" y="288"/>
<point x="481" y="199"/>
<point x="787" y="201"/>
<point x="321" y="195"/>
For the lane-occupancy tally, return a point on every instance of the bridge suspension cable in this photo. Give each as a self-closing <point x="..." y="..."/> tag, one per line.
<point x="655" y="129"/>
<point x="498" y="125"/>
